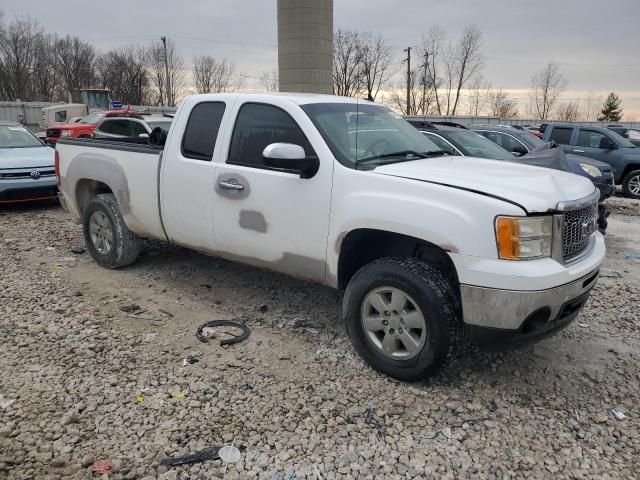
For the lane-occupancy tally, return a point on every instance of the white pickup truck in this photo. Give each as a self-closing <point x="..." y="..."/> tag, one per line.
<point x="433" y="252"/>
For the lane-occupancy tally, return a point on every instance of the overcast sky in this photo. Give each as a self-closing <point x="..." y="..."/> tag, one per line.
<point x="596" y="41"/>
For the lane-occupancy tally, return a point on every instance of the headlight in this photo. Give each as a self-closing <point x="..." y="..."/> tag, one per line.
<point x="524" y="238"/>
<point x="65" y="133"/>
<point x="591" y="170"/>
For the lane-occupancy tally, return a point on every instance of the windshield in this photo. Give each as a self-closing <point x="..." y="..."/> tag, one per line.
<point x="93" y="118"/>
<point x="163" y="124"/>
<point x="473" y="144"/>
<point x="16" y="136"/>
<point x="365" y="133"/>
<point x="532" y="139"/>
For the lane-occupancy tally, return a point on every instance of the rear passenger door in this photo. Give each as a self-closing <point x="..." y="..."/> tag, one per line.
<point x="266" y="216"/>
<point x="187" y="180"/>
<point x="563" y="136"/>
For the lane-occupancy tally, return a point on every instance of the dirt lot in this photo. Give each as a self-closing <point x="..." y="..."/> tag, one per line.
<point x="82" y="380"/>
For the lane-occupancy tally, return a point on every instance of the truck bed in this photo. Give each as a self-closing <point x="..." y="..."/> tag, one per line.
<point x="125" y="167"/>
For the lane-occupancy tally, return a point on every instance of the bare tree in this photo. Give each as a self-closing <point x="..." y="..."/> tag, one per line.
<point x="125" y="73"/>
<point x="203" y="71"/>
<point x="74" y="60"/>
<point x="375" y="63"/>
<point x="468" y="61"/>
<point x="500" y="105"/>
<point x="18" y="44"/>
<point x="546" y="87"/>
<point x="591" y="107"/>
<point x="157" y="73"/>
<point x="478" y="94"/>
<point x="568" y="111"/>
<point x="46" y="84"/>
<point x="269" y="81"/>
<point x="433" y="47"/>
<point x="347" y="66"/>
<point x="421" y="95"/>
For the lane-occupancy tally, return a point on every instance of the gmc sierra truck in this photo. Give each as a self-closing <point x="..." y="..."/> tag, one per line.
<point x="433" y="252"/>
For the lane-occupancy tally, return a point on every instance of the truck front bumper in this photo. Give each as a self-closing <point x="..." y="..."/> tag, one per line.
<point x="502" y="318"/>
<point x="512" y="303"/>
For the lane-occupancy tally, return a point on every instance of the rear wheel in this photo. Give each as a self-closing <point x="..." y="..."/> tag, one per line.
<point x="110" y="242"/>
<point x="631" y="184"/>
<point x="403" y="318"/>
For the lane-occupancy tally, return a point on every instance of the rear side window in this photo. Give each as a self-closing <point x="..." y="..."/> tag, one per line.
<point x="200" y="135"/>
<point x="116" y="127"/>
<point x="561" y="135"/>
<point x="137" y="129"/>
<point x="258" y="126"/>
<point x="441" y="143"/>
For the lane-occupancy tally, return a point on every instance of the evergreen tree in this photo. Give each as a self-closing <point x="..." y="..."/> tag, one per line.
<point x="611" y="111"/>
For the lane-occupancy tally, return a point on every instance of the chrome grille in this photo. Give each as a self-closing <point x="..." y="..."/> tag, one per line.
<point x="578" y="227"/>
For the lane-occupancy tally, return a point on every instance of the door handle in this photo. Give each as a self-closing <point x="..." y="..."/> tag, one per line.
<point x="579" y="151"/>
<point x="230" y="186"/>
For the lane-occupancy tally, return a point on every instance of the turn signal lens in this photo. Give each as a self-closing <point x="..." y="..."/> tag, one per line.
<point x="524" y="238"/>
<point x="508" y="233"/>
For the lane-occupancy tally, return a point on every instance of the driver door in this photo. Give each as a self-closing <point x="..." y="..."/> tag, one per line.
<point x="267" y="216"/>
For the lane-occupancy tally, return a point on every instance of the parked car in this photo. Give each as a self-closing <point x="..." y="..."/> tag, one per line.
<point x="604" y="145"/>
<point x="631" y="134"/>
<point x="26" y="166"/>
<point x="122" y="127"/>
<point x="524" y="147"/>
<point x="521" y="143"/>
<point x="431" y="250"/>
<point x="85" y="127"/>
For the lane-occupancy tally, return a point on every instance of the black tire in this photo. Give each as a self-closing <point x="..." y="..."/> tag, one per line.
<point x="603" y="215"/>
<point x="126" y="244"/>
<point x="436" y="298"/>
<point x="635" y="176"/>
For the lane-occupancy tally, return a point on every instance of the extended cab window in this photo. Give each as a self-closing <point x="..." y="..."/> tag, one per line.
<point x="561" y="135"/>
<point x="200" y="135"/>
<point x="258" y="126"/>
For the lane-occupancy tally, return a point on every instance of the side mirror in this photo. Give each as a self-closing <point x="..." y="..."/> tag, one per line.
<point x="289" y="156"/>
<point x="519" y="151"/>
<point x="607" y="144"/>
<point x="143" y="135"/>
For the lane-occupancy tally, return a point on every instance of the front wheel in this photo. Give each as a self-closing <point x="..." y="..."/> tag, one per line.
<point x="403" y="317"/>
<point x="110" y="242"/>
<point x="631" y="184"/>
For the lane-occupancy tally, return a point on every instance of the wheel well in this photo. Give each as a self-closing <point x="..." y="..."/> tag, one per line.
<point x="628" y="168"/>
<point x="87" y="189"/>
<point x="363" y="246"/>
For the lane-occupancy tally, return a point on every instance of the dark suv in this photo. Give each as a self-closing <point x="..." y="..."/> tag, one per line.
<point x="521" y="143"/>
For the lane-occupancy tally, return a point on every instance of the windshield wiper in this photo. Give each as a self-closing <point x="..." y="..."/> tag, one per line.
<point x="403" y="153"/>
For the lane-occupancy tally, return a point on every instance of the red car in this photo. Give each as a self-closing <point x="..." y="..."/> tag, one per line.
<point x="85" y="127"/>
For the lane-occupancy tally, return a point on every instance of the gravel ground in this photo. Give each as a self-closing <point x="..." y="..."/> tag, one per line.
<point x="82" y="380"/>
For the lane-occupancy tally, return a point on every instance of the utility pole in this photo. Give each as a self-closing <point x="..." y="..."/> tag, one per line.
<point x="424" y="81"/>
<point x="166" y="71"/>
<point x="408" y="50"/>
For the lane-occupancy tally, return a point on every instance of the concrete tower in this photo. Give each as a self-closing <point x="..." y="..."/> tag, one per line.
<point x="305" y="45"/>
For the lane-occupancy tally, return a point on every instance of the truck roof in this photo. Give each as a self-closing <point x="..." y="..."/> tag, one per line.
<point x="299" y="98"/>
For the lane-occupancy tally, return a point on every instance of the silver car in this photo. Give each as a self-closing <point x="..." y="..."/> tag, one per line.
<point x="27" y="170"/>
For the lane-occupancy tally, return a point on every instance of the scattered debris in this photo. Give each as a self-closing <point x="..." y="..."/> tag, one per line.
<point x="6" y="402"/>
<point x="633" y="256"/>
<point x="610" y="274"/>
<point x="262" y="308"/>
<point x="203" y="332"/>
<point x="583" y="325"/>
<point x="206" y="285"/>
<point x="165" y="313"/>
<point x="78" y="249"/>
<point x="618" y="414"/>
<point x="189" y="360"/>
<point x="101" y="467"/>
<point x="229" y="454"/>
<point x="139" y="398"/>
<point x="133" y="308"/>
<point x="210" y="453"/>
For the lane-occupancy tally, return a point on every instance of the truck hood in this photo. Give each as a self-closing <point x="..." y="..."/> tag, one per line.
<point x="30" y="157"/>
<point x="534" y="189"/>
